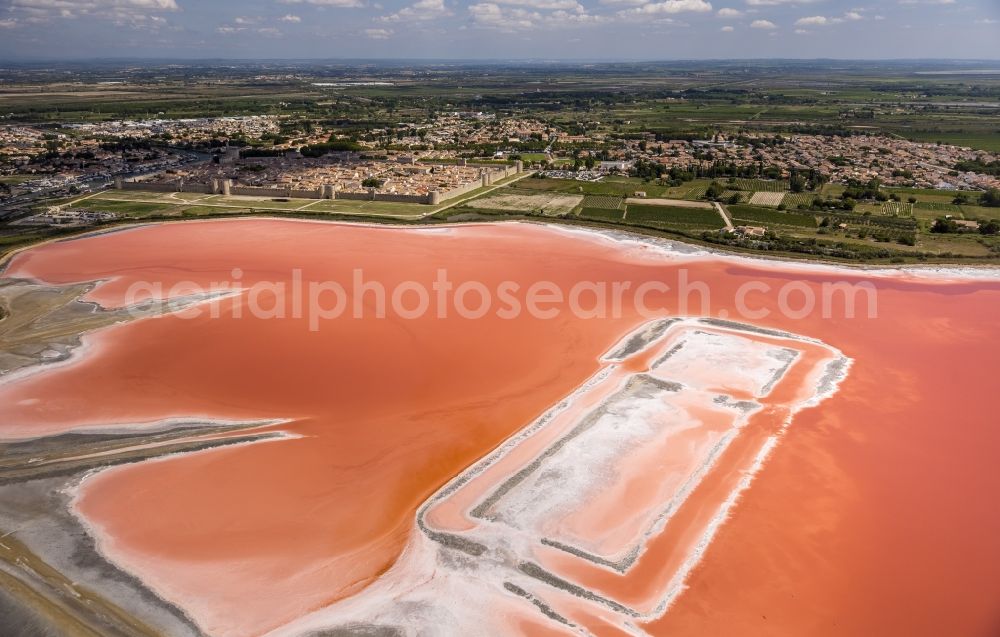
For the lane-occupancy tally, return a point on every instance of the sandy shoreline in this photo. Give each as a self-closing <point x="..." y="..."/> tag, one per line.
<point x="672" y="245"/>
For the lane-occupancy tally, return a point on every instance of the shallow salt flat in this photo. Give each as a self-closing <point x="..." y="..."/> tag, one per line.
<point x="574" y="499"/>
<point x="587" y="463"/>
<point x="725" y="361"/>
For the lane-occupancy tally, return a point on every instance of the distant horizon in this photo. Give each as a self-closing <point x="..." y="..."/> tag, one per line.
<point x="500" y="60"/>
<point x="612" y="30"/>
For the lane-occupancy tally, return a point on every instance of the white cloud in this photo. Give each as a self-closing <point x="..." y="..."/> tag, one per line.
<point x="243" y="20"/>
<point x="134" y="13"/>
<point x="490" y="15"/>
<point x="89" y="6"/>
<point x="812" y="21"/>
<point x="729" y="13"/>
<point x="802" y="31"/>
<point x="926" y="1"/>
<point x="379" y="34"/>
<point x="727" y="29"/>
<point x="986" y="21"/>
<point x="8" y="24"/>
<point x="238" y="28"/>
<point x="668" y="6"/>
<point x="763" y="24"/>
<point x="290" y="18"/>
<point x="419" y="11"/>
<point x="822" y="21"/>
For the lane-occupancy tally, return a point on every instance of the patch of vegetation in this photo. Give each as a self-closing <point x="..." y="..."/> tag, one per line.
<point x="758" y="185"/>
<point x="603" y="201"/>
<point x="606" y="214"/>
<point x="674" y="215"/>
<point x="752" y="215"/>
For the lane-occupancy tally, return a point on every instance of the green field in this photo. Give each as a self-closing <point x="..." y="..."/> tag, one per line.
<point x="673" y="216"/>
<point x="695" y="191"/>
<point x="757" y="185"/>
<point x="141" y="204"/>
<point x="602" y="214"/>
<point x="128" y="207"/>
<point x="603" y="201"/>
<point x="898" y="209"/>
<point x="987" y="140"/>
<point x="793" y="200"/>
<point x="938" y="207"/>
<point x="769" y="216"/>
<point x="869" y="208"/>
<point x="930" y="192"/>
<point x="980" y="212"/>
<point x="609" y="186"/>
<point x="532" y="157"/>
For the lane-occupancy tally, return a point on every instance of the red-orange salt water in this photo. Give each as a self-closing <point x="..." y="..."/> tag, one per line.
<point x="875" y="514"/>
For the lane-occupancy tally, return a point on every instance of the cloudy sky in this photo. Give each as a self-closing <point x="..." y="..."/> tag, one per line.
<point x="500" y="29"/>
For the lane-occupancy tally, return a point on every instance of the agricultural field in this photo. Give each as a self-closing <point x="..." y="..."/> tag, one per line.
<point x="897" y="209"/>
<point x="533" y="157"/>
<point x="272" y="203"/>
<point x="684" y="217"/>
<point x="832" y="190"/>
<point x="130" y="208"/>
<point x="793" y="200"/>
<point x="759" y="185"/>
<point x="927" y="194"/>
<point x="697" y="190"/>
<point x="602" y="214"/>
<point x="608" y="186"/>
<point x="144" y="204"/>
<point x="750" y="215"/>
<point x="516" y="200"/>
<point x="556" y="185"/>
<point x="929" y="211"/>
<point x="603" y="201"/>
<point x="769" y="199"/>
<point x="947" y="208"/>
<point x="868" y="208"/>
<point x="623" y="187"/>
<point x="980" y="212"/>
<point x="676" y="203"/>
<point x="986" y="140"/>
